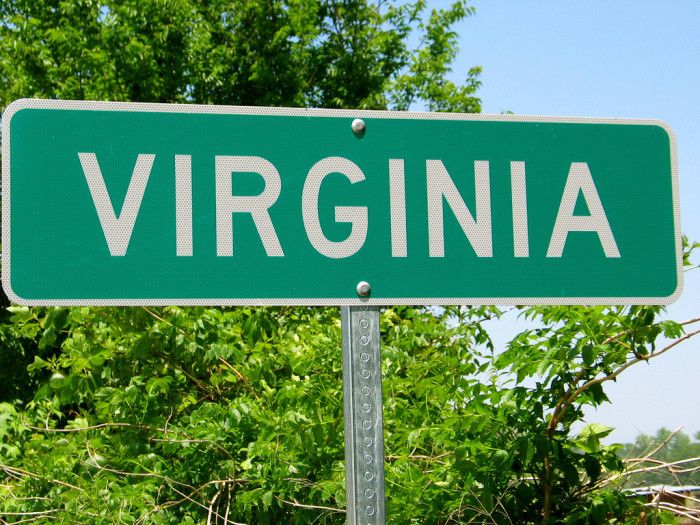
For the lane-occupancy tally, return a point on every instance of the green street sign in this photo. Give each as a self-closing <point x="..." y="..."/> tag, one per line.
<point x="130" y="204"/>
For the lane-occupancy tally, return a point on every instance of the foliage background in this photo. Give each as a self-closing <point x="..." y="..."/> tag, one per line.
<point x="214" y="415"/>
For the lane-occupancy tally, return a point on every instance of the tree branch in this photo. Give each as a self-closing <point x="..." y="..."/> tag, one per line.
<point x="570" y="397"/>
<point x="295" y="503"/>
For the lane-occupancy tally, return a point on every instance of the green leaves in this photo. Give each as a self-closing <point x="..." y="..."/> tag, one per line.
<point x="272" y="53"/>
<point x="559" y="367"/>
<point x="241" y="409"/>
<point x="589" y="437"/>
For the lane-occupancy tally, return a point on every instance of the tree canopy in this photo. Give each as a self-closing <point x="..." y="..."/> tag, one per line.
<point x="308" y="53"/>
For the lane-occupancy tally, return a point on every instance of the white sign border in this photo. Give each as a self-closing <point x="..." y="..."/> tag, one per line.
<point x="352" y="299"/>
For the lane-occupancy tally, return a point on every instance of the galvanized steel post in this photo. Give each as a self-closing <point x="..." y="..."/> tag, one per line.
<point x="364" y="426"/>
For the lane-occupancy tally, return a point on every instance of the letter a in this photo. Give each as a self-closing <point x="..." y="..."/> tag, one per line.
<point x="580" y="179"/>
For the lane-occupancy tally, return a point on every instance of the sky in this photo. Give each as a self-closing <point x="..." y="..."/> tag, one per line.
<point x="629" y="59"/>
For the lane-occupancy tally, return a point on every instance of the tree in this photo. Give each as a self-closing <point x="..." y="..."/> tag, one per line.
<point x="214" y="415"/>
<point x="294" y="53"/>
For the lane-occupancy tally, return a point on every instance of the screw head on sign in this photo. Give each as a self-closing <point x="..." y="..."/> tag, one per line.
<point x="363" y="289"/>
<point x="358" y="126"/>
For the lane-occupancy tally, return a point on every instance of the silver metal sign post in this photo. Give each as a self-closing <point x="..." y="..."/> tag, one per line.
<point x="364" y="426"/>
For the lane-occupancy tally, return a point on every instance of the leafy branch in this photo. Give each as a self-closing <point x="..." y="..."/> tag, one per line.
<point x="573" y="394"/>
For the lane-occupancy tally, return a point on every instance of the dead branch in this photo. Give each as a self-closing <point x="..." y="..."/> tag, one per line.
<point x="295" y="503"/>
<point x="678" y="510"/>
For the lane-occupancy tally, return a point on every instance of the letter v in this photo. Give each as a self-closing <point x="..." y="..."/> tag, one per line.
<point x="117" y="230"/>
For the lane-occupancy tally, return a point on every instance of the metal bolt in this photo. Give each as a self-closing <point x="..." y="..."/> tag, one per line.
<point x="358" y="126"/>
<point x="363" y="287"/>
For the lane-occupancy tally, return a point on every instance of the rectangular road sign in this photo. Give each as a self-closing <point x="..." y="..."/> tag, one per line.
<point x="121" y="203"/>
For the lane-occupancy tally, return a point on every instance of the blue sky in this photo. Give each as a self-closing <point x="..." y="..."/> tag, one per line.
<point x="634" y="59"/>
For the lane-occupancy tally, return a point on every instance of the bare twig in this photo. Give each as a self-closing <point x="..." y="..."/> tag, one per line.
<point x="137" y="427"/>
<point x="81" y="429"/>
<point x="211" y="506"/>
<point x="295" y="503"/>
<point x="663" y="443"/>
<point x="170" y="481"/>
<point x="668" y="466"/>
<point x="240" y="376"/>
<point x="205" y="507"/>
<point x="35" y="513"/>
<point x="678" y="510"/>
<point x="17" y="472"/>
<point x="420" y="457"/>
<point x="229" y="488"/>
